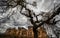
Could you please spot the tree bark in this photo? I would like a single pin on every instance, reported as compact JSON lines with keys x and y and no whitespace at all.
{"x":35,"y":33}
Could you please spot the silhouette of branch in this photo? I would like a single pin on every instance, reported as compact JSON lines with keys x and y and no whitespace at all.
{"x":29,"y":12}
{"x":54,"y":14}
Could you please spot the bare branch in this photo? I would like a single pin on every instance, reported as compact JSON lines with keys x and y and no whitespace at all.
{"x":54,"y":14}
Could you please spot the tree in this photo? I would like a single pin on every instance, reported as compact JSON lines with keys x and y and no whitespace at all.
{"x":34,"y":23}
{"x":31,"y":15}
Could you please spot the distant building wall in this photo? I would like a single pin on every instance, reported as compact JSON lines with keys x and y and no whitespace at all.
{"x":23,"y":33}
